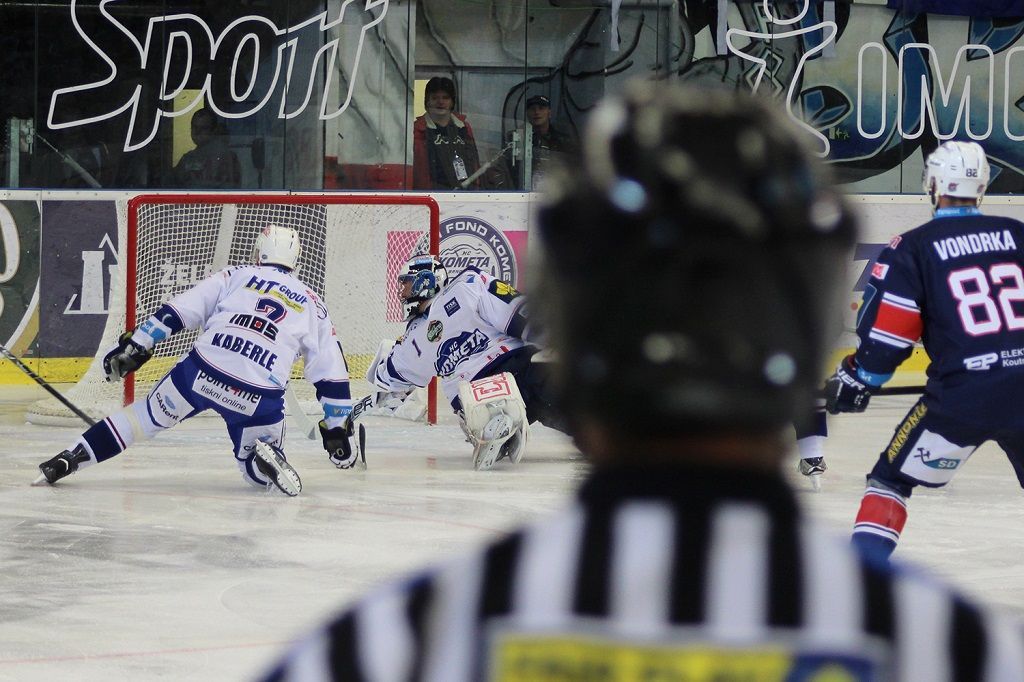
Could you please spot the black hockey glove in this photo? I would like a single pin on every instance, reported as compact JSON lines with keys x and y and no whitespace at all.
{"x":127,"y":357}
{"x":337,"y":444}
{"x":844,"y":392}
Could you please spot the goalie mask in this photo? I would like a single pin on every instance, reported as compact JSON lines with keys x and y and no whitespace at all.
{"x":692,"y":266}
{"x":956,"y":169}
{"x":277,"y":245}
{"x":426,"y":277}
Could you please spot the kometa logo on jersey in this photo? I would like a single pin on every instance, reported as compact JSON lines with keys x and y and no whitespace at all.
{"x":454,"y":351}
{"x":467,"y":241}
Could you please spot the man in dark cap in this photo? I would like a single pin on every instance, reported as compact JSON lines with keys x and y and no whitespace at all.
{"x":549,"y":142}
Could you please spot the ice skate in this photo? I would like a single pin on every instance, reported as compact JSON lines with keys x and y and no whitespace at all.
{"x":64,"y":464}
{"x":495,"y":434}
{"x":813,"y":468}
{"x":272,"y":464}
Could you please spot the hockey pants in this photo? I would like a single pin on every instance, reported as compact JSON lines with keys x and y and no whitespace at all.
{"x":183,"y":393}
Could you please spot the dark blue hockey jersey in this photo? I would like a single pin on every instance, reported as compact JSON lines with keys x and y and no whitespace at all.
{"x":957,"y":284}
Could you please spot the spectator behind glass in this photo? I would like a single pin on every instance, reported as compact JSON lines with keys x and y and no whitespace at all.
{"x":548,"y":142}
{"x":212,"y":164}
{"x":444,"y":148}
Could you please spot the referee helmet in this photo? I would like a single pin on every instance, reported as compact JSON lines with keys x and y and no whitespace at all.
{"x":716,"y":254}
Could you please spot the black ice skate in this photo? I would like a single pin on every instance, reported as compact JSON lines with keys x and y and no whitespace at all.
{"x":64,"y":464}
{"x":813,"y":468}
{"x":272,"y":464}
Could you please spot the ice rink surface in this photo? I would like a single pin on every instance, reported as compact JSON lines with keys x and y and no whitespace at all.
{"x":163,"y":564}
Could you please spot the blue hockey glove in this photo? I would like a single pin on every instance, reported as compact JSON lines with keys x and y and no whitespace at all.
{"x":844,"y":392}
{"x":125,"y":358}
{"x":337,"y":445}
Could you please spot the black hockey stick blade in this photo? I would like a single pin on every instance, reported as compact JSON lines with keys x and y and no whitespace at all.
{"x":362,"y":445}
{"x":42,"y":382}
{"x":900,"y":390}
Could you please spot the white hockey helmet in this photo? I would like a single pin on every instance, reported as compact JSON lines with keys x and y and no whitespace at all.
{"x":956,"y":169}
{"x":428,"y":277}
{"x":277,"y":245}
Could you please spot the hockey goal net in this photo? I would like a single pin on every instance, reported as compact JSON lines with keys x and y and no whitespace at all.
{"x":352,"y":249}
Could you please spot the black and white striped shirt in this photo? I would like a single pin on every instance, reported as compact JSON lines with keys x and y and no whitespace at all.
{"x":665,"y":574}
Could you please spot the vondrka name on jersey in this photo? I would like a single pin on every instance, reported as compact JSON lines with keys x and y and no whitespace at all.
{"x":236,"y":398}
{"x":247,"y":349}
{"x":454,"y":351}
{"x":967,"y":244}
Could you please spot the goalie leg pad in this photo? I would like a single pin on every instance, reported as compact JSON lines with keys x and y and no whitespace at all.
{"x":495,"y":419}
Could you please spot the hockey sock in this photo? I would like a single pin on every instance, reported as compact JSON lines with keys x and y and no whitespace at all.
{"x":108,"y":437}
{"x":810,"y":447}
{"x":881,"y":518}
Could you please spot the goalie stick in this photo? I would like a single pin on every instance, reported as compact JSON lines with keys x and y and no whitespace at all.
{"x":42,"y":382}
{"x":312,"y":429}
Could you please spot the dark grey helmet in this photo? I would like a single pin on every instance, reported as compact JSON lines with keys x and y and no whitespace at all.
{"x":692,"y":265}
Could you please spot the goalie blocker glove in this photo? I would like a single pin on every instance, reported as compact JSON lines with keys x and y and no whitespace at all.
{"x":127,"y":357}
{"x":337,"y":444}
{"x":845,"y":391}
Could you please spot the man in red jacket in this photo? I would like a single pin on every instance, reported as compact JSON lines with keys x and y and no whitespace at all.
{"x":444,"y":149}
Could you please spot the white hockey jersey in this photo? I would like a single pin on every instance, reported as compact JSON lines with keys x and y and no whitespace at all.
{"x":255,"y":321}
{"x":472,"y":322}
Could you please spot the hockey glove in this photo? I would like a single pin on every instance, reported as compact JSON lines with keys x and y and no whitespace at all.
{"x":127,"y":357}
{"x":337,"y":444}
{"x":844,"y":392}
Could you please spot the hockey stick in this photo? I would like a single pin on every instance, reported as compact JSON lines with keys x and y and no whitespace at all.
{"x":357,"y":411}
{"x":312,"y":430}
{"x":900,"y":390}
{"x":302,"y":420}
{"x":486,"y":167}
{"x":42,"y":382}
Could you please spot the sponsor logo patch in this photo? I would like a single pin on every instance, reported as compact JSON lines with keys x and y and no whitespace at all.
{"x":518,"y":657}
{"x":454,"y":351}
{"x":980,"y":363}
{"x":903,"y":432}
{"x":879,"y":270}
{"x":434,"y":330}
{"x":895,"y":241}
{"x":451,"y":307}
{"x":503,"y":290}
{"x":491,"y":387}
{"x":232,"y":397}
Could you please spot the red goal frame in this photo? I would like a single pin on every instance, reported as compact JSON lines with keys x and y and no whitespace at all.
{"x":132,"y":237}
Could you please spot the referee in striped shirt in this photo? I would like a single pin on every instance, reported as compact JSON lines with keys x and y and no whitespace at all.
{"x":691,"y":269}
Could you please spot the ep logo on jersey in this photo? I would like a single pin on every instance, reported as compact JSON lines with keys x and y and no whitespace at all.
{"x":467,"y":241}
{"x":980,"y":363}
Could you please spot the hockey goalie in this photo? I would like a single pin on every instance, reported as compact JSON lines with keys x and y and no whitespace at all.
{"x":474,"y":334}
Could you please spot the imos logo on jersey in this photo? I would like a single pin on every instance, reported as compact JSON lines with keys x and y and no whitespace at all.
{"x":467,"y":241}
{"x":251,"y":62}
